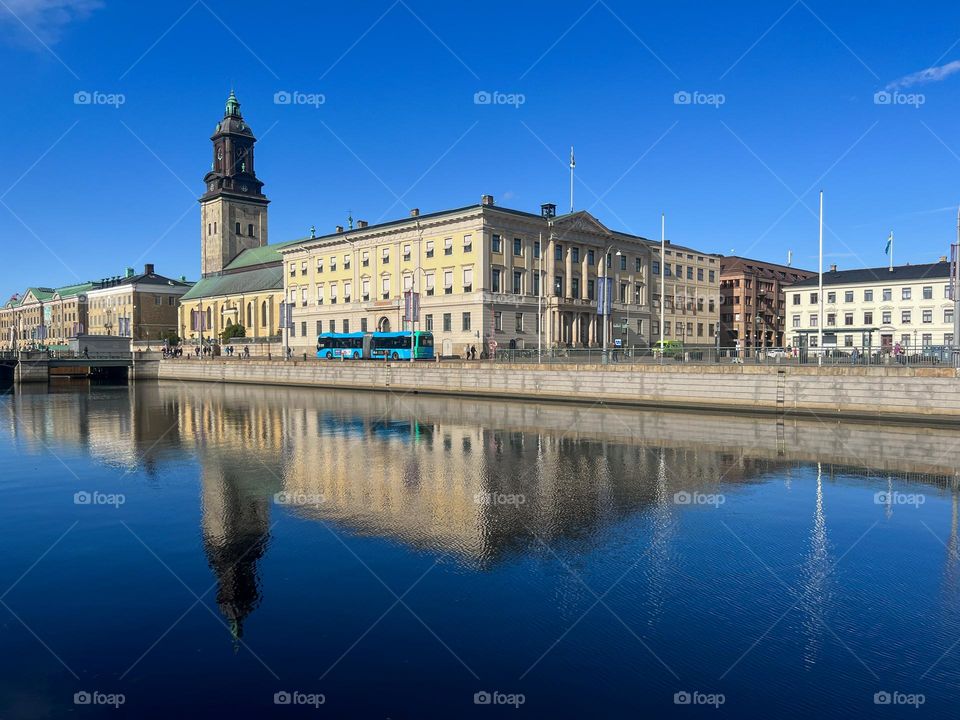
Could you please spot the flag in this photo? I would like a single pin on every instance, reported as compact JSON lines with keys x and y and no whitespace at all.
{"x":889,"y":243}
{"x":573,"y":163}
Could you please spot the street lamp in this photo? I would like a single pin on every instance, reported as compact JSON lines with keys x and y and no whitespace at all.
{"x":602,"y":295}
{"x":756,"y":338}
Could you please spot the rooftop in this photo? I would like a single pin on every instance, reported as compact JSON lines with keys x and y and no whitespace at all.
{"x":880,"y":276}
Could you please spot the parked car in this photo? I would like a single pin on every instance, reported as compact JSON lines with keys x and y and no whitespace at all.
{"x":777,"y":354}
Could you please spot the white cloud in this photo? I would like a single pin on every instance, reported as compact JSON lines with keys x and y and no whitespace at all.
{"x":930,"y":75}
{"x":46,"y":19}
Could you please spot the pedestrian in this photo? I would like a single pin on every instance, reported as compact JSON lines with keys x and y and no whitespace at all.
{"x":86,"y":351}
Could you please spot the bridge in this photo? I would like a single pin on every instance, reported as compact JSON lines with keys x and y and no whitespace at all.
{"x":39,"y":365}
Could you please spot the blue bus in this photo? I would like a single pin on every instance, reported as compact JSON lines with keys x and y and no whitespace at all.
{"x":340,"y":345}
{"x":375,"y":346}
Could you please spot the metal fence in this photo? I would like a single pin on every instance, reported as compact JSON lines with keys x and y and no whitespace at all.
{"x":935,"y":356}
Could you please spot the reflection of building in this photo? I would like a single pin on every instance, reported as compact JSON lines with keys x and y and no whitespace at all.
{"x":235,"y":533}
{"x":753,"y":290}
{"x":875,"y":307}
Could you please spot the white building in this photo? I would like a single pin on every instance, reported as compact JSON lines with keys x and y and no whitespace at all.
{"x":875,"y":307}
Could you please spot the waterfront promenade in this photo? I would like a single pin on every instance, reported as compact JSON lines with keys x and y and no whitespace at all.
{"x":887,"y":393}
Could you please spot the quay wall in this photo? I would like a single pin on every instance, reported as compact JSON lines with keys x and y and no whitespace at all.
{"x":888,"y":393}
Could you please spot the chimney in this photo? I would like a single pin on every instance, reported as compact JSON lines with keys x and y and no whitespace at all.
{"x":415,"y":212}
{"x":339,"y":228}
{"x":147,"y":269}
{"x":548,"y":210}
{"x":943,"y":258}
{"x":129,"y":272}
{"x":362,"y":223}
{"x":486,"y":200}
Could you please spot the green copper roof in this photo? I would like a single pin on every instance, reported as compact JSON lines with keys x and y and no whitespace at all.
{"x":233,"y":105}
{"x":74,"y":290}
{"x":251,"y":281}
{"x":259,"y":256}
{"x":40,"y":293}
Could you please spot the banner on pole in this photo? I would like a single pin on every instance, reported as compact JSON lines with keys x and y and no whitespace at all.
{"x":604,"y":295}
{"x":411,"y":306}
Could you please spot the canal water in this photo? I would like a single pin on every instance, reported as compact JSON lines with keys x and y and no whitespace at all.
{"x":231,"y":551}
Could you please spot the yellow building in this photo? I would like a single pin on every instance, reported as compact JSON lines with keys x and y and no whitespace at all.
{"x":248,"y":292}
{"x":487,"y":277}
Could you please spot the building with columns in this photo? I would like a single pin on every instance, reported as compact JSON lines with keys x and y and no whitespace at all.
{"x":487,"y":277}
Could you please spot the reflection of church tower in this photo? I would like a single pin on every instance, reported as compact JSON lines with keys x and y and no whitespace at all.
{"x":235,"y":534}
{"x":233,"y":210}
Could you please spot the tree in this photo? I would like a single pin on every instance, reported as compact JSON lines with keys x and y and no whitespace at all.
{"x":233,"y":331}
{"x":171,"y":337}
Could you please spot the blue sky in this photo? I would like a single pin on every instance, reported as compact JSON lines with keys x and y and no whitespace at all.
{"x":782,"y":104}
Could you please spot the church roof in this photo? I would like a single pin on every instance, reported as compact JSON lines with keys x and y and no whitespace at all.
{"x":263,"y":255}
{"x":248,"y":281}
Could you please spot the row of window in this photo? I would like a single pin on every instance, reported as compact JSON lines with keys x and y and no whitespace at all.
{"x":906,"y":293}
{"x":906,"y":340}
{"x":886,"y":318}
{"x":678,"y":271}
{"x":212,"y":229}
{"x":684,"y":330}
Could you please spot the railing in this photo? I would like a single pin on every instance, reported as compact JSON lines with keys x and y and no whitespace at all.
{"x":70,"y":355}
{"x":936,"y":356}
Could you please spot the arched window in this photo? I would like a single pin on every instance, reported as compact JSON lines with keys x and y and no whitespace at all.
{"x":249,"y":314}
{"x":209,"y":318}
{"x":238,"y":228}
{"x":250,"y":229}
{"x":263,"y":316}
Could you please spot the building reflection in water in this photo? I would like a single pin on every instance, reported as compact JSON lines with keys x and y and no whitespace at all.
{"x":472,"y":479}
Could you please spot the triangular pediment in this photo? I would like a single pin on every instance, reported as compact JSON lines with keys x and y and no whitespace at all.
{"x":581,"y":221}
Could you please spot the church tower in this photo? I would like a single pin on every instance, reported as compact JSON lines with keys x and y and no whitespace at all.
{"x":233,"y":210}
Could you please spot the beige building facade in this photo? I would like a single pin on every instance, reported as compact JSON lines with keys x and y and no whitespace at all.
{"x":488,"y":277}
{"x":909,"y":306}
{"x":141,"y":307}
{"x":692,"y":297}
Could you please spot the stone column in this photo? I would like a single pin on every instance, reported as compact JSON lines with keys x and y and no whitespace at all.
{"x":568,"y":272}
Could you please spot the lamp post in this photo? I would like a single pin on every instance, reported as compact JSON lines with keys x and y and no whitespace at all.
{"x":756,"y":338}
{"x":603,"y":305}
{"x":414,"y":310}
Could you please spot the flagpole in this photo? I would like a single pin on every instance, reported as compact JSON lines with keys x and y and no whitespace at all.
{"x":663,"y":279}
{"x":573,"y":164}
{"x":540,"y":303}
{"x":820,"y":293}
{"x":891,"y":251}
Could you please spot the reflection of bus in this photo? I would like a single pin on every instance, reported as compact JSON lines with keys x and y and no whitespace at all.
{"x":395,"y":345}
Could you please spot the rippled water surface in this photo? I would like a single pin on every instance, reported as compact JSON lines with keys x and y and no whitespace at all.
{"x":195,"y":550}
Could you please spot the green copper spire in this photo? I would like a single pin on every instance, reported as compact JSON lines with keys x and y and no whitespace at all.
{"x":233,"y":105}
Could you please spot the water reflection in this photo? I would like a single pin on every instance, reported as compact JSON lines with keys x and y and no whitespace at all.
{"x":478,"y":481}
